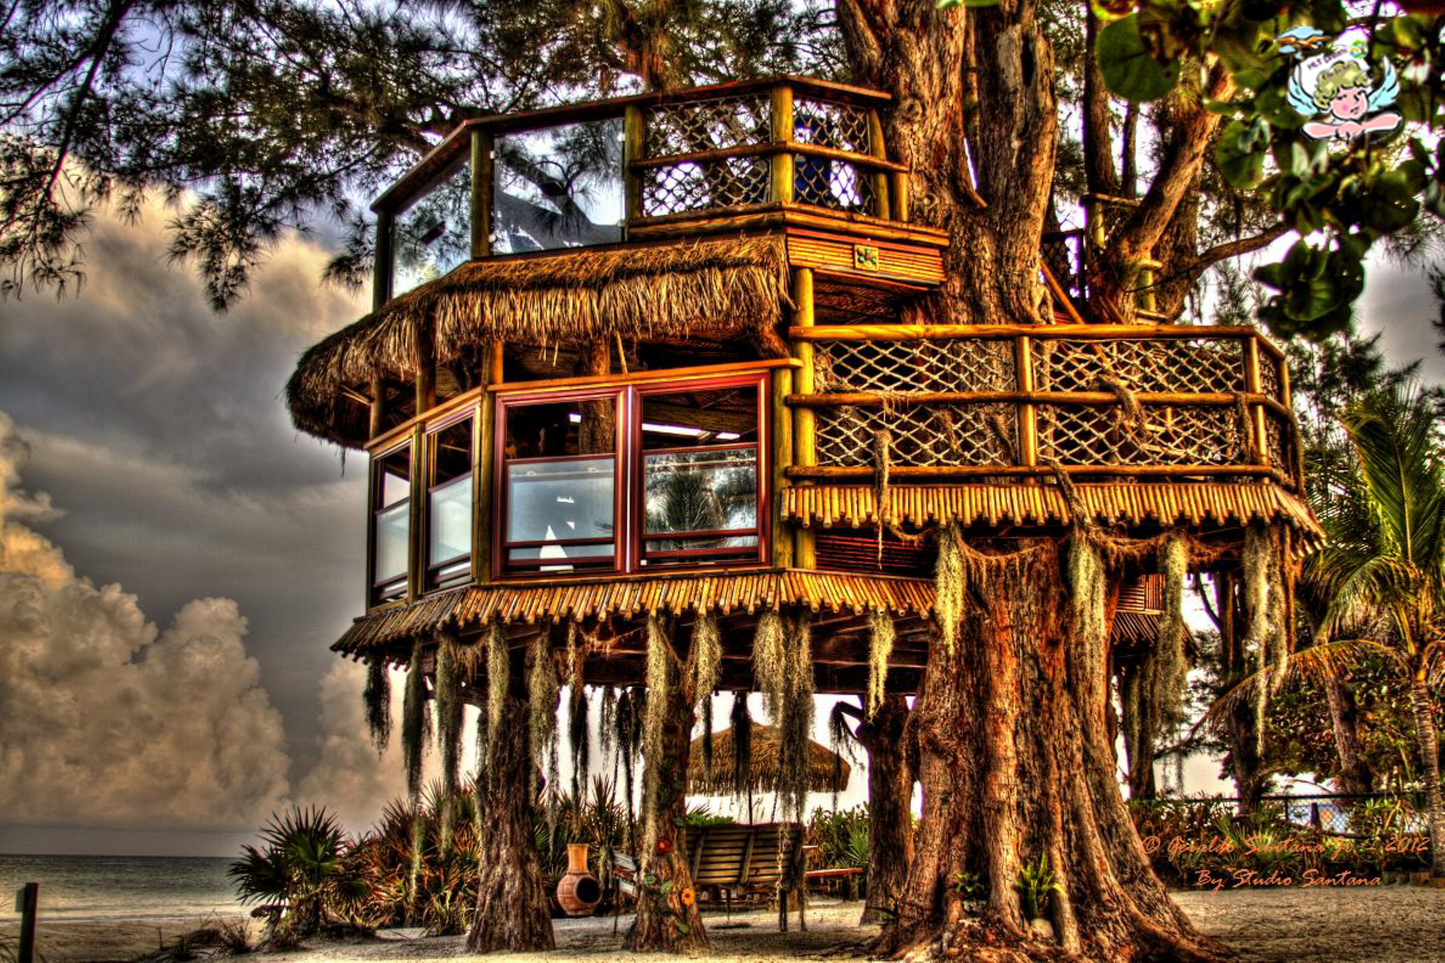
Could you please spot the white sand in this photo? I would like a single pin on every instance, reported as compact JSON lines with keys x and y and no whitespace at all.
{"x":1366,"y":926}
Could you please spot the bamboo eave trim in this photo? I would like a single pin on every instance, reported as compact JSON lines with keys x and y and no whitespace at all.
{"x":725,"y":593}
{"x":1055,"y":332}
{"x":855,"y":506}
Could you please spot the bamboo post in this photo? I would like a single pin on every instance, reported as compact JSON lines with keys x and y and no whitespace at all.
{"x":634,"y":148}
{"x":877,"y":147}
{"x":1028,"y":434}
{"x":484,"y":449}
{"x":782,"y":453}
{"x":377,"y":423}
{"x":1256,"y":425}
{"x":426,"y":370}
{"x":481,"y":199}
{"x":416,"y":520}
{"x":781,"y":190}
{"x":805,"y":452}
{"x":381,"y":269}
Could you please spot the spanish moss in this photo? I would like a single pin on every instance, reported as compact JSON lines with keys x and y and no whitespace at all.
{"x":880,"y":647}
{"x":499,"y":668}
{"x":1172,"y":669}
{"x":414,"y":722}
{"x":543,"y":692}
{"x":654,"y":720}
{"x":706,"y":663}
{"x":797,"y":717}
{"x":951,"y":585}
{"x":377,"y":698}
{"x":741,"y":722}
{"x":770,"y":662}
{"x":578,"y":736}
{"x":1256,"y":564}
{"x":449,"y":733}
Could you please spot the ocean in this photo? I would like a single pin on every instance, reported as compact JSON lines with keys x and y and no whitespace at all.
{"x":96,"y":889}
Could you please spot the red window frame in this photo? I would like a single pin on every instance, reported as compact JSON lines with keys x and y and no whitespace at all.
{"x":628,"y":490}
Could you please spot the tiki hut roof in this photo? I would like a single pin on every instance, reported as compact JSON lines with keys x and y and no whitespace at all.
{"x":765,"y":770}
{"x":719,"y":287}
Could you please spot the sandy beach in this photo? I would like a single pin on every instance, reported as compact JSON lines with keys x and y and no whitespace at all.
{"x":1405,"y":924}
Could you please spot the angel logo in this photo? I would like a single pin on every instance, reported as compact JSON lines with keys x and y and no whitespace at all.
{"x":1336,"y":88}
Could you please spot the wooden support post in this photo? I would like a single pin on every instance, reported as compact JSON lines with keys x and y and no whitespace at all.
{"x":381,"y":268}
{"x":27,"y":901}
{"x":782,"y":453}
{"x":1027,"y":414}
{"x":426,"y":369}
{"x":416,"y":521}
{"x":805,"y":452}
{"x":878,"y":148}
{"x":377,"y":424}
{"x":481,"y":200}
{"x":634,"y":148}
{"x":782,"y":134}
{"x":484,"y":449}
{"x":1256,"y":411}
{"x":899,"y":180}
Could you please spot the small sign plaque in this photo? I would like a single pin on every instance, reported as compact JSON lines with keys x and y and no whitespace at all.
{"x":865,"y":257}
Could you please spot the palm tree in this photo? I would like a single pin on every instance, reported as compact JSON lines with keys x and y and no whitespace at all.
{"x":1385,"y":563}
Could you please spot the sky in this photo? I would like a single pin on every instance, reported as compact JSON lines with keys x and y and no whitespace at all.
{"x":176,"y":559}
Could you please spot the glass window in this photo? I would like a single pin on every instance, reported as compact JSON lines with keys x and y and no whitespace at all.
{"x":391,"y":513}
{"x":558,"y":187}
{"x":700,"y":476}
{"x":449,"y":511}
{"x":434,"y":234}
{"x":560,"y":483}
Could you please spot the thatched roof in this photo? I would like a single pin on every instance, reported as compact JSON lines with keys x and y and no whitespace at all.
{"x":765,"y":769}
{"x":720,"y":287}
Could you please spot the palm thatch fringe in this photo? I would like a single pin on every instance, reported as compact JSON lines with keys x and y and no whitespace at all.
{"x":722,"y":287}
{"x":763,"y":762}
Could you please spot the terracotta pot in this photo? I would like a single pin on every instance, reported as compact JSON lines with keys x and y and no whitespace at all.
{"x":578,"y":891}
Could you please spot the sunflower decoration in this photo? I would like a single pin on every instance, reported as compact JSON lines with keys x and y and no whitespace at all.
{"x":688,"y":896}
{"x":664,"y":845}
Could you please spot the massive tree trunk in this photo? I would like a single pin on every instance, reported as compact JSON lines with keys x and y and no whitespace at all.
{"x":890,"y":790}
{"x":1429,"y":746}
{"x":667,"y":912}
{"x":1016,"y":766}
{"x":512,"y":910}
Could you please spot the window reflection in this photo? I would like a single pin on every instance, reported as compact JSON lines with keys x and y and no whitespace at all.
{"x":434,"y":235}
{"x":449,"y":515}
{"x":558,"y":187}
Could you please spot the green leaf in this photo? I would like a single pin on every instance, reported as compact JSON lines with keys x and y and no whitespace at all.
{"x":1129,"y":69}
{"x":1237,"y":157}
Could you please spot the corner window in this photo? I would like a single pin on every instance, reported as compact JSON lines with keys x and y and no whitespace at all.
{"x":391,"y":523}
{"x":626,"y":479}
{"x":560,"y":484}
{"x":449,"y":504}
{"x":699,"y":475}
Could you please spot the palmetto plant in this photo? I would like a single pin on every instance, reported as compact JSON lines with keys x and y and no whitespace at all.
{"x":1384,"y":564}
{"x":300,"y":874}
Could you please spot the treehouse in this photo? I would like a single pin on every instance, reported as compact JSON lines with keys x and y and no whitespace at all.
{"x":652,"y":360}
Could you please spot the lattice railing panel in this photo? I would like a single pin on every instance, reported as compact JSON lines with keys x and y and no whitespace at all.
{"x":831,"y":124}
{"x":720,"y":122}
{"x":692,"y":187}
{"x":1269,"y":377}
{"x":962,"y":364}
{"x":1277,"y":443}
{"x":931,"y":435}
{"x":1168,"y":435}
{"x":1159,"y":365}
{"x":834,"y":184}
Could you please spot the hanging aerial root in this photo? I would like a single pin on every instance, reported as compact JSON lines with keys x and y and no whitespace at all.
{"x":415,"y":721}
{"x":449,"y":731}
{"x":1173,"y":667}
{"x":578,"y":737}
{"x":770,"y":661}
{"x":950,"y":585}
{"x":543,"y":692}
{"x":499,"y":667}
{"x":880,"y":647}
{"x":741,"y":722}
{"x":659,"y":672}
{"x":377,"y":700}
{"x":705,"y":661}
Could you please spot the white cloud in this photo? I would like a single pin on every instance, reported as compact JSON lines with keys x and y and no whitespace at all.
{"x":107,"y":721}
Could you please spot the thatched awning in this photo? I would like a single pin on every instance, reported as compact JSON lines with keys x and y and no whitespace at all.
{"x":718,"y":287}
{"x":765,"y":767}
{"x":1163,"y":503}
{"x":724,"y":593}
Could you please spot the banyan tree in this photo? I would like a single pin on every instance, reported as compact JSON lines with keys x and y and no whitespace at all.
{"x":763,"y":388}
